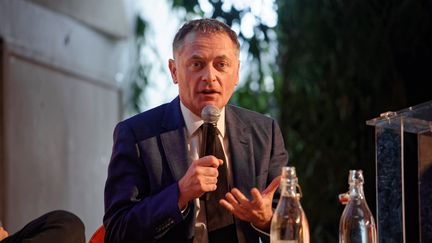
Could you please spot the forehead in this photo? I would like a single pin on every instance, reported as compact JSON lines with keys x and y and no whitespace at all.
{"x":197,"y":44}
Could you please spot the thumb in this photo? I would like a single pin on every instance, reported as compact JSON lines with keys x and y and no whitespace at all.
{"x":271,"y":189}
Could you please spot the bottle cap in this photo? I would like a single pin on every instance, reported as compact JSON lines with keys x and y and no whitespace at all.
{"x":289,"y":177}
{"x":355,"y":177}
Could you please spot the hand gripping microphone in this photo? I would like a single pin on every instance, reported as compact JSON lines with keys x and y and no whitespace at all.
{"x":210,"y":115}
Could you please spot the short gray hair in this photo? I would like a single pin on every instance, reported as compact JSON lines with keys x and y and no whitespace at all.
{"x":210,"y":26}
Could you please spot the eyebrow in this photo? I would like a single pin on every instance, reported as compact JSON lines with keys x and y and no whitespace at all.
{"x":201,"y":57}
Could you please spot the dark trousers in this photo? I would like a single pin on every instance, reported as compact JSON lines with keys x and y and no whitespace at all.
{"x":56,"y":226}
{"x":224,"y":235}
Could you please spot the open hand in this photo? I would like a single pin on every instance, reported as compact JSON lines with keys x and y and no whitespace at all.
{"x":257,"y":211}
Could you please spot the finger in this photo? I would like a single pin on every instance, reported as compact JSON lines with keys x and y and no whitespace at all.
{"x":231,"y":199}
{"x":208,"y":161}
{"x":210,"y":180}
{"x":240,"y":197}
{"x":271,"y":189}
{"x":257,"y":198}
{"x":210,"y":188}
{"x":236,"y":210}
{"x":208,"y":171}
{"x":226,"y":205}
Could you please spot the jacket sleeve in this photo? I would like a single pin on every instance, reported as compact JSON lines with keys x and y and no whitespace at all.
{"x":132,"y":214}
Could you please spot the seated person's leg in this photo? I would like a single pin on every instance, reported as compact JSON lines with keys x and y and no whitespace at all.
{"x":56,"y":226}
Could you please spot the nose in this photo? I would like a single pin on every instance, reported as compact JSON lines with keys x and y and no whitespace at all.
{"x":209,"y":74}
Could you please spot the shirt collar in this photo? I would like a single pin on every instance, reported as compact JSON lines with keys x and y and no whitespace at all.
{"x":193,"y":122}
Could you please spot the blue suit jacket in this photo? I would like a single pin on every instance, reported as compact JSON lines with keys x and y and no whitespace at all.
{"x":149,"y":157}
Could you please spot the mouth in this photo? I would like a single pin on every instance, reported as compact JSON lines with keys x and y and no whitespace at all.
{"x":209,"y":92}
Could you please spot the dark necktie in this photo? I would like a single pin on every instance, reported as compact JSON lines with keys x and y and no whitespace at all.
{"x":217,"y":216}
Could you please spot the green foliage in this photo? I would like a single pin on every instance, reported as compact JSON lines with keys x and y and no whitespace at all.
{"x":339,"y":65}
{"x":141,"y":70}
{"x":191,"y":6}
{"x":147,"y":63}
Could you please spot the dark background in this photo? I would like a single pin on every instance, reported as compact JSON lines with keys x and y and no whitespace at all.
{"x":338,"y":64}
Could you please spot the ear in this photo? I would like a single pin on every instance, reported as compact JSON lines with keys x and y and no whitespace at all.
{"x":173,"y":70}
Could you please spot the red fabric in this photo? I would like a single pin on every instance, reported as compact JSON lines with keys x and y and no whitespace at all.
{"x":98,"y":236}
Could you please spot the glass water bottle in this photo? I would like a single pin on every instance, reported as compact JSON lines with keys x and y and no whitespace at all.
{"x":289,"y":223}
{"x":357,"y":224}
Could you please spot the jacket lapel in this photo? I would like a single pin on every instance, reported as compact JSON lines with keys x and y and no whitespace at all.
{"x":240,"y":142}
{"x":173,"y":140}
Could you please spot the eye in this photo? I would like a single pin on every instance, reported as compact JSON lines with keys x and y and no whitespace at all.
{"x":222,"y":65}
{"x":196,"y":65}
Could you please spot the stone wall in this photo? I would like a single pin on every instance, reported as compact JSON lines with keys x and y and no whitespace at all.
{"x":59,"y":103}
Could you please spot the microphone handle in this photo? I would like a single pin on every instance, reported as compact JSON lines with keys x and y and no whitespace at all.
{"x":208,"y":142}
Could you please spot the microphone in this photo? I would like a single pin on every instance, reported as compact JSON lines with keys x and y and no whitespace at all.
{"x":210,"y":115}
{"x":217,"y":217}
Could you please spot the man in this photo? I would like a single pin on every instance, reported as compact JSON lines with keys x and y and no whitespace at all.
{"x":157,"y":181}
{"x":57,"y":226}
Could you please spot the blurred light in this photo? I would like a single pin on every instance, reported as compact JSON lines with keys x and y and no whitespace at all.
{"x":226,"y":6}
{"x":236,"y":27}
{"x":269,"y":83}
{"x":254,"y":86}
{"x":247,"y":25}
{"x":269,"y":15}
{"x":240,"y":4}
{"x":206,"y":6}
{"x":119,"y":77}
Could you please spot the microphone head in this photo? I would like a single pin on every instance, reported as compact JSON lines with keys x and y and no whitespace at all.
{"x":210,"y":114}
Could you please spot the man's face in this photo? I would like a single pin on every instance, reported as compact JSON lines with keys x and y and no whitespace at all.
{"x":206,"y":68}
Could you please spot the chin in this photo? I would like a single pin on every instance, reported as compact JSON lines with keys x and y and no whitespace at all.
{"x":211,"y":103}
